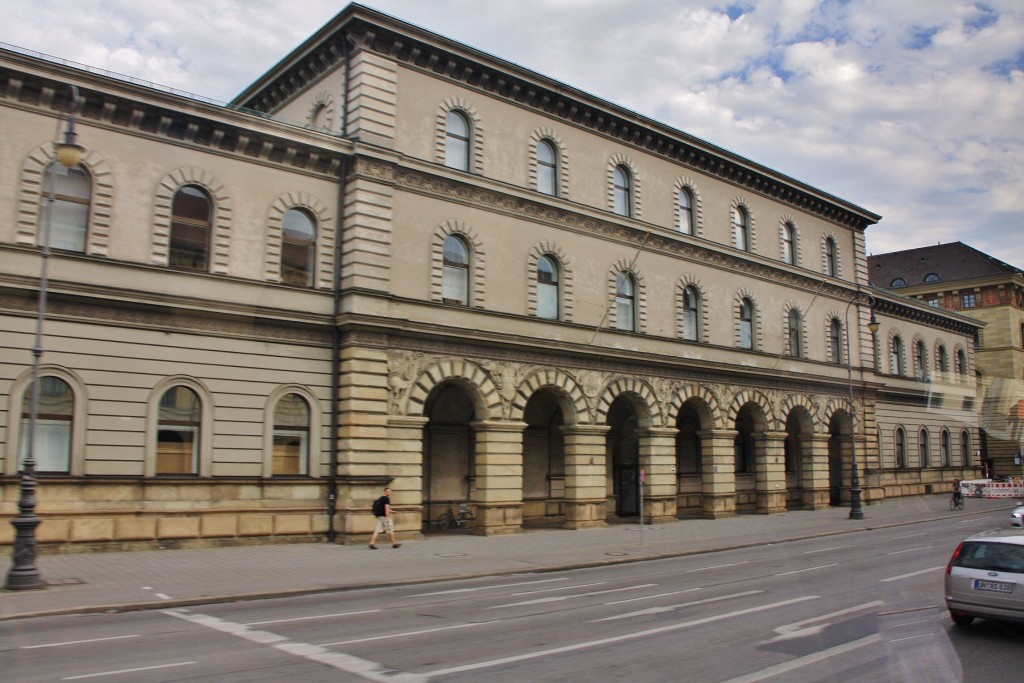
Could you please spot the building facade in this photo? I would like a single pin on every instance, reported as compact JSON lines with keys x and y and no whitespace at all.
{"x":958,"y":277}
{"x":395,"y":260}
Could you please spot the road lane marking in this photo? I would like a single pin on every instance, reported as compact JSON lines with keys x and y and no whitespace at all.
{"x":74,"y":642}
{"x":808,"y":569}
{"x":225,"y":626}
{"x":651,"y":597}
{"x":717,"y":566}
{"x":316,"y":616}
{"x":912,"y":574}
{"x":560,"y":588}
{"x":669,"y":608}
{"x":797,"y":630}
{"x":920,"y":635}
{"x":614,"y":639}
{"x":484,"y":588}
{"x":559,"y":598}
{"x":126,"y":671}
{"x":408,"y":633}
{"x":896,"y":538}
{"x":823,"y":550}
{"x":910,"y":550}
{"x":794,"y":664}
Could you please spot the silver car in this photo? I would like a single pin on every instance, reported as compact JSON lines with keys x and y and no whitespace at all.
{"x":1017,"y":516}
{"x":985,"y":577}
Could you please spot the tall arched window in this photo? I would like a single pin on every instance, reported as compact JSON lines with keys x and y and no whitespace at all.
{"x":795,"y":344}
{"x":622,"y":189}
{"x":191,"y":217}
{"x":686,"y":222}
{"x":924,"y":449}
{"x":789,"y":244}
{"x":177,"y":439}
{"x":69,"y":210}
{"x":965,"y":448}
{"x":625,"y":300}
{"x":942,"y":360}
{"x":291,"y":436}
{"x":831,"y":264}
{"x":944,"y":450}
{"x":920,"y":360}
{"x":896,"y":357}
{"x":746,"y":324}
{"x":691,"y":314}
{"x":547,"y":167}
{"x":456,"y":148}
{"x":298,"y":247}
{"x":901,"y":448}
{"x":741,"y":228}
{"x":835,"y":340}
{"x":51,"y":442}
{"x":455,"y":284}
{"x":547,"y":288}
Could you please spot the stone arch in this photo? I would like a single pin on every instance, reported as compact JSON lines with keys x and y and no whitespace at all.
{"x":220,"y":240}
{"x":323,"y":265}
{"x":833,"y":406}
{"x":482,"y":389}
{"x":789,"y":403}
{"x":321,"y":112}
{"x":639,"y":297}
{"x":476,"y":152}
{"x":566,"y":283}
{"x":33,"y":187}
{"x":704,"y":399}
{"x":745,"y":396}
{"x":623,"y":160}
{"x":642,"y":397}
{"x":685,"y":182}
{"x":477,"y":261}
{"x":575,"y":408}
{"x":734,"y":205}
{"x":545,"y":133}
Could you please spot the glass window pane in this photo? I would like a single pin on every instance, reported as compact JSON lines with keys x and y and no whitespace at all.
{"x":622,"y":192}
{"x":547,"y":288}
{"x":298,"y":245}
{"x":68,"y":223}
{"x":291,"y":436}
{"x":457,"y":141}
{"x":177,"y":448}
{"x":190,"y":229}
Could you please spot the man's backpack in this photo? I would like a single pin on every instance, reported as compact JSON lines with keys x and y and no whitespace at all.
{"x":378,"y":507}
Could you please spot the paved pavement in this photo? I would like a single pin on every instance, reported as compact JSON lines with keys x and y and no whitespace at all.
{"x":115,"y":581}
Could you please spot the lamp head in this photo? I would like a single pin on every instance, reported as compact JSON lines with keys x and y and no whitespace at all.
{"x":69,"y":152}
{"x":873,"y":324}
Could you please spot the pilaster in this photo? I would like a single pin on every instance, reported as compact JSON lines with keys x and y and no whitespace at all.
{"x":658,"y":459}
{"x":814,"y":466}
{"x":586,"y":487}
{"x":499,"y":477}
{"x":770,"y":472}
{"x":719,"y":472}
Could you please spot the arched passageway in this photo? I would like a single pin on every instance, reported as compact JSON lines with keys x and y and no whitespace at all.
{"x":543,"y":460}
{"x":448,"y":450}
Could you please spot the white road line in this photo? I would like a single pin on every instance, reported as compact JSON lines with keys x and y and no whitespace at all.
{"x":910,"y":550}
{"x":317,"y":616}
{"x":615,"y":639}
{"x":651,"y":597}
{"x":560,"y":588}
{"x":823,"y":550}
{"x":920,"y":635}
{"x":896,"y":538}
{"x":408,"y":633}
{"x":794,"y":664}
{"x":670,"y":608}
{"x":74,"y":642}
{"x":559,"y":598}
{"x":163,"y":596}
{"x":484,"y":588}
{"x":912,"y":574}
{"x":126,"y":671}
{"x":797,"y":630}
{"x":808,"y":569}
{"x":717,"y":566}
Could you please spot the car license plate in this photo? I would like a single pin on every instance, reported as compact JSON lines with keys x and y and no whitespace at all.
{"x":998,"y":586}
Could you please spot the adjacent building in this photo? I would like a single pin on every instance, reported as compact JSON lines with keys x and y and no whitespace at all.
{"x":396,"y":260}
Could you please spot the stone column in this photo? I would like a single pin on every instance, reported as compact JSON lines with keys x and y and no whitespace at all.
{"x":586,"y":475}
{"x":658,"y":459}
{"x":498,"y":498}
{"x":770,"y":472}
{"x":405,"y":448}
{"x":814,"y":461}
{"x":719,"y":472}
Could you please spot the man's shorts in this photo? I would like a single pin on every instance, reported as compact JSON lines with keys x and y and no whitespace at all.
{"x":384,"y":525}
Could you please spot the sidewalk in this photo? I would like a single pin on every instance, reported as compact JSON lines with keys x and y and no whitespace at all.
{"x":78,"y":583}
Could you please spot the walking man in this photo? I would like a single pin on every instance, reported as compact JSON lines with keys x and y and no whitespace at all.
{"x":382,"y":511}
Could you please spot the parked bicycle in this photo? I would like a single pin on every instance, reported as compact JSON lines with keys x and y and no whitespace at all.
{"x":457,"y":515}
{"x":956,"y":501}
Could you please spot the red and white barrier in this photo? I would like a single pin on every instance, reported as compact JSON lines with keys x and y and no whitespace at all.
{"x":986,"y":488}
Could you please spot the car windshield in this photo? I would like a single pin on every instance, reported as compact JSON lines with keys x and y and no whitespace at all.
{"x":1002,"y":557}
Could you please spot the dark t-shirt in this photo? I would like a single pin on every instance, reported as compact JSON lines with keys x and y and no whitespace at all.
{"x":380,"y":506}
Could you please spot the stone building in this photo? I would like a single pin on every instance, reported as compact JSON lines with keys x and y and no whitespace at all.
{"x":395,"y":260}
{"x":958,"y":277}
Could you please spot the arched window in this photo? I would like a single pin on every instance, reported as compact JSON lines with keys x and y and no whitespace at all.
{"x":622,"y":188}
{"x":50,"y":445}
{"x":191,"y":217}
{"x":686,"y":222}
{"x":932,"y":277}
{"x":795,"y":344}
{"x":944,"y":452}
{"x":291,"y":436}
{"x":942,"y":359}
{"x":177,"y":440}
{"x":741,"y":228}
{"x":831,"y":264}
{"x":965,"y":448}
{"x":923,"y":449}
{"x":901,"y":448}
{"x":920,"y":360}
{"x":548,"y":297}
{"x":456,"y":148}
{"x":961,"y":364}
{"x":691,"y":314}
{"x":835,"y":340}
{"x":746,"y":324}
{"x":298,"y":246}
{"x":896,"y":357}
{"x":455,"y":284}
{"x":789,"y":244}
{"x":625,"y":302}
{"x":897,"y":282}
{"x":547,"y":167}
{"x":69,"y":210}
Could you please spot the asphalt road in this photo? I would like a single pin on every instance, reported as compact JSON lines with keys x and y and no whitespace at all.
{"x":853,"y":608}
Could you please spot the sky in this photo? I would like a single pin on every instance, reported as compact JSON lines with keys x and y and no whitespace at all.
{"x":911,"y":109}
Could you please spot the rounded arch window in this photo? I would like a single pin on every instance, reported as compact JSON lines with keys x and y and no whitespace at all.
{"x":298,"y":246}
{"x":547,"y":167}
{"x":291,"y":436}
{"x":622,"y":187}
{"x":456,"y":151}
{"x":455,"y":285}
{"x":625,"y":302}
{"x":177,"y":441}
{"x":547,"y":287}
{"x":69,"y":208}
{"x":191,"y":220}
{"x":50,"y":443}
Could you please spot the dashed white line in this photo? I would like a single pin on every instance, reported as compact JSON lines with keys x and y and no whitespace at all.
{"x":792,"y":665}
{"x":560,"y":598}
{"x":74,"y":642}
{"x":717,"y":566}
{"x":670,"y":608}
{"x":125,"y":671}
{"x":807,"y":569}
{"x":910,"y":550}
{"x":316,"y":616}
{"x":407,"y":633}
{"x":912,"y":574}
{"x":484,"y":588}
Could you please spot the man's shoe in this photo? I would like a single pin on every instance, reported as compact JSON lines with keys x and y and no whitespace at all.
{"x":397,"y":545}
{"x":373,"y":547}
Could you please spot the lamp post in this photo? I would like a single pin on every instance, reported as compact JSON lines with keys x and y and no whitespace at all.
{"x":856,"y":511}
{"x":23,"y":574}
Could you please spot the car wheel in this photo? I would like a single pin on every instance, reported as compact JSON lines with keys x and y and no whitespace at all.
{"x":962,"y":619}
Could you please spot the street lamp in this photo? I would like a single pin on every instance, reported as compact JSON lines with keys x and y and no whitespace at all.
{"x":856,"y":512}
{"x":23,"y":574}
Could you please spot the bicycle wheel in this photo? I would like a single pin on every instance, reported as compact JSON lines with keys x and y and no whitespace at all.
{"x":952,"y":503}
{"x":960,"y":503}
{"x":445,"y":521}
